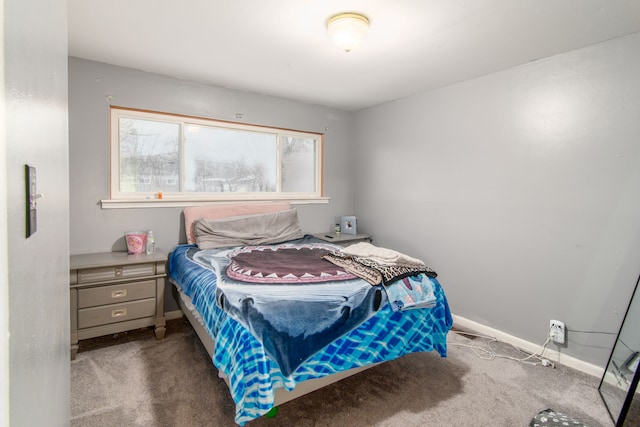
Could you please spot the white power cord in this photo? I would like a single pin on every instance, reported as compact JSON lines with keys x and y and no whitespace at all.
{"x":489,"y":353}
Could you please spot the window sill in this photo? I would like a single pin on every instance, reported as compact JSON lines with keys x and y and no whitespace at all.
{"x":180,"y":203}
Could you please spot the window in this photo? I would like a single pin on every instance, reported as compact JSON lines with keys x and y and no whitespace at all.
{"x":158,"y":157}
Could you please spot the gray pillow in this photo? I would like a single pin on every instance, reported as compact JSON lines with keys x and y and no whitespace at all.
{"x":260,"y":229}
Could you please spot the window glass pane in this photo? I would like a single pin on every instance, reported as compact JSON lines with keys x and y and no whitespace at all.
{"x":205,"y":159}
{"x":228,"y":160}
{"x":298,"y":164}
{"x":149,"y":159}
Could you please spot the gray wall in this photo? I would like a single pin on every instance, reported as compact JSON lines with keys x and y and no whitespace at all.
{"x":35,"y":127}
{"x":520,"y":188}
{"x":94,"y":86}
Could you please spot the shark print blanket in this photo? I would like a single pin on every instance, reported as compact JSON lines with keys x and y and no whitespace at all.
{"x":291,"y":299}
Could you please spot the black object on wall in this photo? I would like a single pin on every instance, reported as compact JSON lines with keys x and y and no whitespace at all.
{"x":31,"y":197}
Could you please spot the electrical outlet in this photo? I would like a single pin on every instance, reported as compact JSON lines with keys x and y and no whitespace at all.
{"x":556,"y":331}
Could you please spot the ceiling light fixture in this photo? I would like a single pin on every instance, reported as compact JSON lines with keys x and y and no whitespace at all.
{"x":347,"y":30}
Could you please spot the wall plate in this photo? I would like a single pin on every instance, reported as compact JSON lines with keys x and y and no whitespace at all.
{"x":31,"y":197}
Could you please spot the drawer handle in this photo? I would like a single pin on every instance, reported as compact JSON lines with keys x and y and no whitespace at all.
{"x":119,"y":293}
{"x":118,"y":271}
{"x":119,"y":313}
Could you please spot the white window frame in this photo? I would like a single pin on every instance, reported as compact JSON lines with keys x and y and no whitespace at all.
{"x":183,"y":198}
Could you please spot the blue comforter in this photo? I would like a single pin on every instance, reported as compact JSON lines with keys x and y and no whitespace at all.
{"x":274,"y":330}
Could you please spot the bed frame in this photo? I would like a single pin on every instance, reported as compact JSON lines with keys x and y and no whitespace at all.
{"x":281,"y":395}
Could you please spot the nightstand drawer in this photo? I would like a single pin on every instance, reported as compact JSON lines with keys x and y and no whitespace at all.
{"x":100,"y":274}
{"x":113,"y":313}
{"x":114,"y":294}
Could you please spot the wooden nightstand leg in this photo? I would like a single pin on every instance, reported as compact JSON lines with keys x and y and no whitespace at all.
{"x":160,"y":330}
{"x":74,"y":350}
{"x":160,"y":321}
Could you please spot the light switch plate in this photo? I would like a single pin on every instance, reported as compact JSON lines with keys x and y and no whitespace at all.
{"x":30,"y":177}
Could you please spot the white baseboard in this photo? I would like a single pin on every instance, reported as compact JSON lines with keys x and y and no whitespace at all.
{"x":171,"y":315}
{"x":553,"y":355}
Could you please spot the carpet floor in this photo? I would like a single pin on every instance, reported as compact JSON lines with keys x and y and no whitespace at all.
{"x":131,"y":379}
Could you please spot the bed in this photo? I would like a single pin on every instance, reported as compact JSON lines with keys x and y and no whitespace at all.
{"x":282,"y":313}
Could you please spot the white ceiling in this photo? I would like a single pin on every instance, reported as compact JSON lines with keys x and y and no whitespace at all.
{"x":280,"y":47}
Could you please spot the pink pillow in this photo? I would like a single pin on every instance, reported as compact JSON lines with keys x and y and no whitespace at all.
{"x":217,"y":211}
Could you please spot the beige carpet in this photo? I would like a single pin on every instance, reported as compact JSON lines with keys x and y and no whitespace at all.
{"x":134,"y":380}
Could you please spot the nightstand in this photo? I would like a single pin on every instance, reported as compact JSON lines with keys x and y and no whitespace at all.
{"x":114,"y":292}
{"x":343,"y":239}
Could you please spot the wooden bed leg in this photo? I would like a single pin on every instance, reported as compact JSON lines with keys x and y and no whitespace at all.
{"x":272,"y":412}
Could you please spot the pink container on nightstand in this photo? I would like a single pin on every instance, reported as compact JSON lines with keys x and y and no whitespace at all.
{"x":136,"y":241}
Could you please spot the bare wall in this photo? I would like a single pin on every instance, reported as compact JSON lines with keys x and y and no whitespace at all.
{"x":34,"y":127}
{"x":94,"y":86}
{"x":520,"y":188}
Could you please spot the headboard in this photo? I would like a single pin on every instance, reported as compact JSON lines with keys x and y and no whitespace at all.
{"x":193,"y":213}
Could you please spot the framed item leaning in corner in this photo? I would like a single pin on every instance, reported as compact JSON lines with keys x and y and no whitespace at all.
{"x":348,"y":225}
